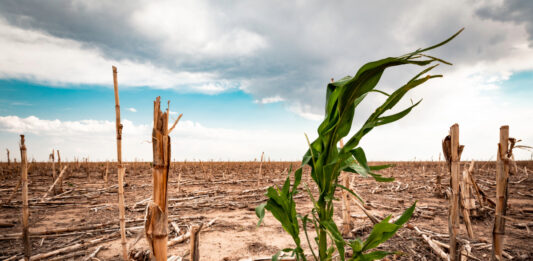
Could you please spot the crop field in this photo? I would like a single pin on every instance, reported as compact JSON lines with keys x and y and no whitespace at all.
{"x":333,"y":205}
{"x":223,"y":195}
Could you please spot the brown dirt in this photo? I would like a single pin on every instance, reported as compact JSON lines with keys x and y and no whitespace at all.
{"x":229,"y":191}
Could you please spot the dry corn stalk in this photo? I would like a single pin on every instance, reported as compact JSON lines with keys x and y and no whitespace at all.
{"x":260,"y":168}
{"x":55,"y":184}
{"x":14,"y":192}
{"x":122,"y":214}
{"x":452,"y":152}
{"x":25,"y":208}
{"x":466,"y":202}
{"x":346,"y":218}
{"x":438,"y":183}
{"x":156,"y":224}
{"x":195,"y":242}
{"x":60,"y":185}
{"x":121,"y":170}
{"x":106,"y":173}
{"x":470,"y":199}
{"x":54,"y":176}
{"x":502,"y":178}
{"x":179,"y":180}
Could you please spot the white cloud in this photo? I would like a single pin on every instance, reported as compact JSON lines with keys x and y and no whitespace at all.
{"x":38,"y":56}
{"x":132,"y":109}
{"x":275,"y":55}
{"x":304,"y":110}
{"x":34,"y":125}
{"x":193,"y":28}
{"x":190,"y":140}
{"x":268,"y":100}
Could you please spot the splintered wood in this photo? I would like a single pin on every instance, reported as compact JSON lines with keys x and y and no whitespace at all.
{"x":452,"y":152}
{"x":195,"y":242}
{"x":156,"y":225}
{"x":502,"y":177}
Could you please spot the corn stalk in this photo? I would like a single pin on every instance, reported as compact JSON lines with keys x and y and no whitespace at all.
{"x":327,"y":161}
{"x":505,"y":152}
{"x":25,"y":208}
{"x":120,"y":171}
{"x":156,"y":223}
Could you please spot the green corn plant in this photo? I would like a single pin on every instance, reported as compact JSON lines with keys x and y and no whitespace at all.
{"x":327,"y":161}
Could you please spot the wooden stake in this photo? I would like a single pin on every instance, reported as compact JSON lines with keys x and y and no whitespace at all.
{"x":195,"y":242}
{"x":121,"y":170}
{"x":156,"y":224}
{"x":8,"y":158}
{"x":502,"y":176}
{"x":25,"y":209}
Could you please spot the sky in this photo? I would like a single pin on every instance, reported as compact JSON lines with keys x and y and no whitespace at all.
{"x":250,"y":76}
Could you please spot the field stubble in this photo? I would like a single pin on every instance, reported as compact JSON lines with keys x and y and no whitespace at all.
{"x":226,"y":193}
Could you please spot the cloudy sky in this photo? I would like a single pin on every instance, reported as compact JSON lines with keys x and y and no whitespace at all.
{"x":250,"y":76}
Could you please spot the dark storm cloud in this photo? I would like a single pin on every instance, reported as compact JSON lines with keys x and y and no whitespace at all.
{"x":306,"y":42}
{"x":518,"y":11}
{"x":104,"y":25}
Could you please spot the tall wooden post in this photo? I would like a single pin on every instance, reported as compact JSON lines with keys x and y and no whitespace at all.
{"x":121,"y":170}
{"x":502,"y":178}
{"x":25,"y":209}
{"x":8,"y":158}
